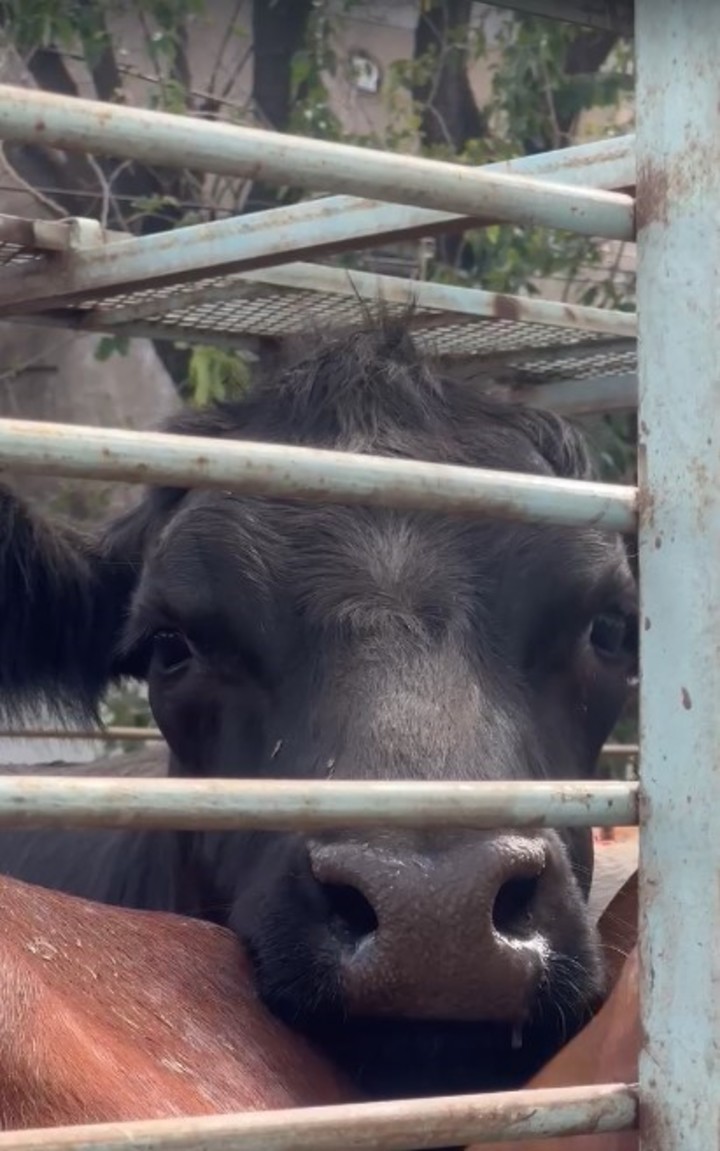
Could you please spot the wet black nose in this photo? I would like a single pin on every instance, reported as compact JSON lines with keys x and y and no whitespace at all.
{"x":456,"y":934}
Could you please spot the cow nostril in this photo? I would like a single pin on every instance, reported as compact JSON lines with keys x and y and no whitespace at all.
{"x":350,"y":916}
{"x":512,"y":911}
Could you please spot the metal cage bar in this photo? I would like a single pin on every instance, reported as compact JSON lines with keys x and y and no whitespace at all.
{"x":406,"y":1125}
{"x":148,"y":734}
{"x":164,"y":139}
{"x":193,"y":804}
{"x":310,"y":474}
{"x":276,"y":235}
{"x":678,"y":119}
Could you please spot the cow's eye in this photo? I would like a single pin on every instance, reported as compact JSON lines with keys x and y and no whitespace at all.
{"x":171,"y":650}
{"x":610,"y":635}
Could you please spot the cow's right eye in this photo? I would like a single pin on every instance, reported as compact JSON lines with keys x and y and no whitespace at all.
{"x":171,"y":650}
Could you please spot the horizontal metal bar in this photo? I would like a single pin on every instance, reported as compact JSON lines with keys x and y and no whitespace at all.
{"x":607,"y":15}
{"x":403,"y":1125}
{"x":195,"y":252}
{"x":164,"y":139}
{"x":103,"y":734}
{"x":275,"y":236}
{"x":443,"y":298}
{"x":309,"y":474}
{"x":141,"y":734}
{"x":37,"y":235}
{"x":192,"y":804}
{"x":608,"y":393}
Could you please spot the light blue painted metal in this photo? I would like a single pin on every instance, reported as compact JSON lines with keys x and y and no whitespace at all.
{"x":611,"y":393}
{"x":337,"y":222}
{"x":346,"y":283}
{"x":163,"y":139}
{"x":192,"y":804}
{"x":403,"y":1125}
{"x":608,"y":164}
{"x":678,"y":115}
{"x":309,"y":474}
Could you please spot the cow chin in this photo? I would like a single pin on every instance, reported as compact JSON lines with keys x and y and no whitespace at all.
{"x":387,"y":1057}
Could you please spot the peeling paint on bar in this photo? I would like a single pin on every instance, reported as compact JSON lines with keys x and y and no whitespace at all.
{"x":190,"y":805}
{"x":678,"y":201}
{"x":163,"y":139}
{"x":309,"y":474}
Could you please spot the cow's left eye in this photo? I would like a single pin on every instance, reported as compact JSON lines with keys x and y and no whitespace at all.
{"x":171,"y":651}
{"x":610,"y":634}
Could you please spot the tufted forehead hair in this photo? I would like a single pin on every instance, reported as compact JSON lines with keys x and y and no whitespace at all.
{"x":371,"y":390}
{"x":367,"y":391}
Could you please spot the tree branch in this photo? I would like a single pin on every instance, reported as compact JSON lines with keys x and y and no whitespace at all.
{"x":450,"y":116}
{"x":278,"y":32}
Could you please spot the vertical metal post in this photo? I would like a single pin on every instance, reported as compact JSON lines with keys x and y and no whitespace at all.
{"x":678,"y":220}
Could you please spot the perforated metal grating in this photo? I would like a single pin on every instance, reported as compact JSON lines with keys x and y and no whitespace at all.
{"x":509,"y":350}
{"x":15,"y":254}
{"x":293,"y":300}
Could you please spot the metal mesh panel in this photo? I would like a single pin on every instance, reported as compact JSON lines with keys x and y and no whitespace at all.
{"x":506,"y":349}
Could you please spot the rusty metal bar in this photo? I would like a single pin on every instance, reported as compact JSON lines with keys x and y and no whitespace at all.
{"x":164,"y":139}
{"x":340,"y":223}
{"x":405,"y":1125}
{"x":309,"y":474}
{"x":215,"y":804}
{"x":678,"y":114}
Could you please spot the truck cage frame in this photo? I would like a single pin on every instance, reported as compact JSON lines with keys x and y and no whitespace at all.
{"x":238,"y":279}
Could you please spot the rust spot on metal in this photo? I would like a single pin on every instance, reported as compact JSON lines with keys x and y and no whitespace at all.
{"x":506,"y":308}
{"x":646,"y":507}
{"x":653,"y":188}
{"x":686,"y":700}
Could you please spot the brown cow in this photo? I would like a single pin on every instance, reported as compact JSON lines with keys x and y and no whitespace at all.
{"x":606,"y":1051}
{"x":109,"y":1014}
